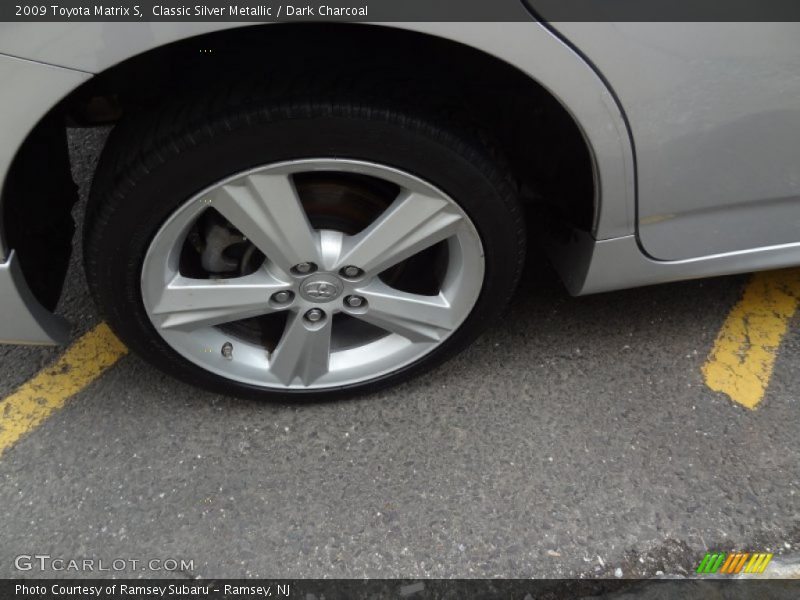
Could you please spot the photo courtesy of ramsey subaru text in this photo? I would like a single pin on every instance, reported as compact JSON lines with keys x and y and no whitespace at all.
{"x":312,"y":210}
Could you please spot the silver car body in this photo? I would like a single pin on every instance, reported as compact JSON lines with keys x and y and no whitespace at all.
{"x":693,"y":128}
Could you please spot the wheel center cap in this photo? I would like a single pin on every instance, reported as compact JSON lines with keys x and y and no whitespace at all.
{"x":321,"y":287}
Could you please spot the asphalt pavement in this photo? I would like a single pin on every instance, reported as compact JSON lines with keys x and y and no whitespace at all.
{"x":576,"y":438}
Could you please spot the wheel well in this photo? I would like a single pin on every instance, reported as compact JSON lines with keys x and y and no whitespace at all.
{"x":38,"y":196}
{"x":542,"y":143}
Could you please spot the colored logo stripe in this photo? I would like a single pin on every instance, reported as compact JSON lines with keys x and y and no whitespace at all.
{"x":711,"y":562}
{"x":758,"y":563}
{"x":733,"y":563}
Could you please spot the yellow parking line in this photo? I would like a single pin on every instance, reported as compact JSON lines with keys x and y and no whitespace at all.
{"x":35,"y":400}
{"x":741,"y":362}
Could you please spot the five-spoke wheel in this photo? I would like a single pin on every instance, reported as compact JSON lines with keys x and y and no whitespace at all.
{"x":299,"y":248}
{"x":349,"y":307}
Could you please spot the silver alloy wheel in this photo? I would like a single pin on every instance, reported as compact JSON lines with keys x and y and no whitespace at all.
{"x":314,"y":268}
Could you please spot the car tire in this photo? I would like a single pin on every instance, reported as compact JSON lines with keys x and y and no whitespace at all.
{"x":160,"y":163}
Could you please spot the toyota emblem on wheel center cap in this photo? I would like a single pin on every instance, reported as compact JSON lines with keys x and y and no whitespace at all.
{"x":321,"y":288}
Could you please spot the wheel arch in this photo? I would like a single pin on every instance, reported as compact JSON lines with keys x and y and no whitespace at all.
{"x":523,"y":98}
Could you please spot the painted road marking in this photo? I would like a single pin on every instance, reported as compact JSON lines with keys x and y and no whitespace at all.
{"x":37,"y":399}
{"x":741,"y":362}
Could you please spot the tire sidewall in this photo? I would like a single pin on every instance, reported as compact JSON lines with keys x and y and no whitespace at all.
{"x":146,"y":194}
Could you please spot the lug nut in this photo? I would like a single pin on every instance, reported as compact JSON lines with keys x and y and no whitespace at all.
{"x":304,"y":268}
{"x":354,"y":301}
{"x":227,"y":350}
{"x":314,"y":315}
{"x":351,"y":271}
{"x":282,"y":297}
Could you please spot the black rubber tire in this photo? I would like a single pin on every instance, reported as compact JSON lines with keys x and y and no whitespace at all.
{"x":157,"y":160}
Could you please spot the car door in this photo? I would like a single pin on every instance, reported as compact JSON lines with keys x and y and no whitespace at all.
{"x":714,"y":112}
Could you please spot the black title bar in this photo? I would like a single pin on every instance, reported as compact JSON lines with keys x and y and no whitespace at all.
{"x":398,"y":10}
